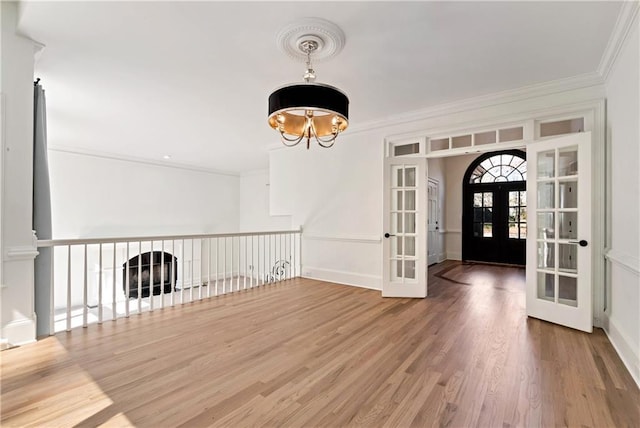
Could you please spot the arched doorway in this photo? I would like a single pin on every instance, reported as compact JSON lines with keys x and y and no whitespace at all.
{"x":494,"y":214}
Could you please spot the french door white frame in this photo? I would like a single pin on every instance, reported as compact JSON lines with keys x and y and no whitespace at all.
{"x":404,"y":246}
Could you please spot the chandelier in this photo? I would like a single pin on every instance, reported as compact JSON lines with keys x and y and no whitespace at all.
{"x":309,"y":110}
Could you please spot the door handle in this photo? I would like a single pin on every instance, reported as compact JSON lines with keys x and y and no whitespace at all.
{"x":581,"y":242}
{"x":386,"y":235}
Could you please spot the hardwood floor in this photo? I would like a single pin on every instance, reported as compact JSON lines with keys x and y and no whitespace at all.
{"x":309,"y":353}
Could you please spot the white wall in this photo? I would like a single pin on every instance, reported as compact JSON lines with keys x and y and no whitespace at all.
{"x":623,"y":111}
{"x":255,"y":214}
{"x":95,"y":197}
{"x":17,"y":243}
{"x":335,"y":194}
{"x":455,"y":168}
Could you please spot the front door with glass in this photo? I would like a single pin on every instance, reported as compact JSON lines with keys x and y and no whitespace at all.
{"x":494,"y":218}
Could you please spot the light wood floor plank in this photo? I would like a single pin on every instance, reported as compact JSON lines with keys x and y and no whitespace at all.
{"x":309,"y":353}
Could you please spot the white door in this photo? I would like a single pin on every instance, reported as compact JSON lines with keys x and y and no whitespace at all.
{"x":433,"y":227}
{"x":405,"y":241}
{"x":559,"y":248}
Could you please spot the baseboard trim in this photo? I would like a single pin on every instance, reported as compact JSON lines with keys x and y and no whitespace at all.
{"x":370,"y":282}
{"x":18,"y":333}
{"x":625,"y":351}
{"x":454,"y":255}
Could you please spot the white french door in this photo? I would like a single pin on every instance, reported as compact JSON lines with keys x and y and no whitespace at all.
{"x":559,"y":250}
{"x":405,"y":240}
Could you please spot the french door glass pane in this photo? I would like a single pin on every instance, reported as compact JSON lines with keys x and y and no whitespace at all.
{"x":410,"y":200}
{"x":396,"y":246}
{"x":546,"y":286}
{"x":546,"y":164}
{"x":568,"y":192}
{"x":568,"y":258}
{"x":567,"y":290}
{"x":546,"y":255}
{"x":410,"y":222}
{"x":396,"y":270}
{"x":546,"y":195}
{"x":568,"y":224}
{"x":546,"y":225}
{"x":409,"y":246}
{"x":568,"y":162}
{"x":396,"y":199}
{"x":487,"y":230}
{"x":397,"y":172}
{"x":477,"y":199}
{"x":410,"y":269}
{"x":410,"y":177}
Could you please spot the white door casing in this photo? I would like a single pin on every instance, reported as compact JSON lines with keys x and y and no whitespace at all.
{"x":559,"y":247}
{"x":405,"y":238}
{"x":433,"y":221}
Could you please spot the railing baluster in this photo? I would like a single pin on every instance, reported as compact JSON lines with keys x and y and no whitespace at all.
{"x":162,"y":278}
{"x":253,"y":267}
{"x":52,"y":306}
{"x":151,"y":260}
{"x":224,"y":267}
{"x":217,"y":263}
{"x":208,"y":267}
{"x":68,"y":288}
{"x":238,"y":279}
{"x":114,"y":308}
{"x":100,"y":285}
{"x":140,"y":278}
{"x":182,"y":276}
{"x":245,"y":262}
{"x":84,"y":290}
{"x":173,"y":272}
{"x":193,"y":279}
{"x":281,"y":260}
{"x":127,"y":286}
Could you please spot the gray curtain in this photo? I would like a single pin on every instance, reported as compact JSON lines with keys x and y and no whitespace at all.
{"x":41,"y":212}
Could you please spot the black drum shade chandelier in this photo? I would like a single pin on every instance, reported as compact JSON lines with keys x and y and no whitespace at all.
{"x":308,"y":110}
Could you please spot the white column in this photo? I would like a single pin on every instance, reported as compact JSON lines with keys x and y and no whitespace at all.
{"x":18,"y":245}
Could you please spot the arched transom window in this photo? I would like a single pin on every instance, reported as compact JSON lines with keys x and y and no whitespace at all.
{"x":499,"y":168}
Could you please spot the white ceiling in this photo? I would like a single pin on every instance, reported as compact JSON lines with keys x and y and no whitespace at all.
{"x":191,"y":80}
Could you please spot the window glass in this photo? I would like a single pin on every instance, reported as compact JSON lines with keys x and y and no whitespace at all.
{"x":500,"y":168}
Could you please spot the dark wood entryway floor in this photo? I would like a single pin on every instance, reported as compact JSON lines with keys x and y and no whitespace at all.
{"x":310,"y":353}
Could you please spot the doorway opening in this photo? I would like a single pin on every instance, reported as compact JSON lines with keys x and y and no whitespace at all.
{"x":494,"y":210}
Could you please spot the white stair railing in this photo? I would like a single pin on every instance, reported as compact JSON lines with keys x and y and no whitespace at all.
{"x":93,"y":280}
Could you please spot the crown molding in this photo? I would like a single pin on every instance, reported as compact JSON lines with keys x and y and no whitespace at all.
{"x":626,"y":21}
{"x":153,"y":162}
{"x":255,"y":172}
{"x":509,"y":96}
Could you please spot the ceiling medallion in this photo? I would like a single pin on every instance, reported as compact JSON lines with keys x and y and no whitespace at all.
{"x":306,"y":110}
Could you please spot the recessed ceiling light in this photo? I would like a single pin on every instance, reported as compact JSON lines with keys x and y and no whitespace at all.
{"x":167,"y":157}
